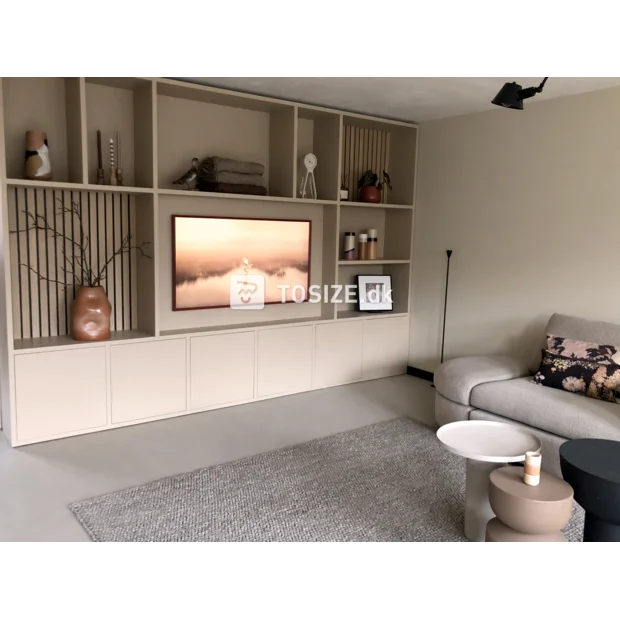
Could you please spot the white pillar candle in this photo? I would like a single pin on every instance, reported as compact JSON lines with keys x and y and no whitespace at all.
{"x":531,"y":473}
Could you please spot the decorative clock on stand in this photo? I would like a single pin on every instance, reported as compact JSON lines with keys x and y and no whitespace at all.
{"x":308,"y":182}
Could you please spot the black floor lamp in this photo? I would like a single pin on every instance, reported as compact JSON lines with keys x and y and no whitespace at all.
{"x":445,"y":308}
{"x":445,"y":305}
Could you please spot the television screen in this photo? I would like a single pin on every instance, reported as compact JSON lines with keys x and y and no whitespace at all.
{"x":209,"y":251}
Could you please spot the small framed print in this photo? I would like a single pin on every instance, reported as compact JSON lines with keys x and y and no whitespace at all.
{"x":374,"y":293}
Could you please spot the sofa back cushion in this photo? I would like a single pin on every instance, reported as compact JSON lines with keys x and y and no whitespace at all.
{"x":580,"y":349}
{"x":577,"y":329}
{"x":580,"y":376}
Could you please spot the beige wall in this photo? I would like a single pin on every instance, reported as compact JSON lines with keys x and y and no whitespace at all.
{"x":530,"y":204}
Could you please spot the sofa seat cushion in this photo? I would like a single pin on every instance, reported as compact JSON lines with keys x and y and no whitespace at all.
{"x":561,"y":413}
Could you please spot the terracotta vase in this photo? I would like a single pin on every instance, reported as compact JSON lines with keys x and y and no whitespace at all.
{"x":90,"y":314}
{"x":38,"y":165}
{"x":370,"y":193}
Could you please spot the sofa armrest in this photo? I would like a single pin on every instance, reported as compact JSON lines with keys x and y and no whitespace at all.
{"x":456,"y":378}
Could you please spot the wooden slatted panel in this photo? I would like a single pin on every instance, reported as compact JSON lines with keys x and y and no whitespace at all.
{"x":364,"y":149}
{"x":42,"y":307}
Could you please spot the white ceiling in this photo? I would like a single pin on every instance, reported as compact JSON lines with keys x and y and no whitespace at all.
{"x":415,"y":99}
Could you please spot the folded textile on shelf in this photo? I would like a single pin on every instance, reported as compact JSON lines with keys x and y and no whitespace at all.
{"x":222,"y":164}
{"x":232,"y":188}
{"x":234,"y":178}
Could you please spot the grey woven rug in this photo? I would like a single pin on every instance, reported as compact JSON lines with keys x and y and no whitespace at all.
{"x":387,"y":482}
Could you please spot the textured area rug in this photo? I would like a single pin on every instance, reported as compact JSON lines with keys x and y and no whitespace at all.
{"x":388,"y":482}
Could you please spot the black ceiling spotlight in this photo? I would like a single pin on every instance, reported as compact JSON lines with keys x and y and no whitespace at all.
{"x":511,"y":95}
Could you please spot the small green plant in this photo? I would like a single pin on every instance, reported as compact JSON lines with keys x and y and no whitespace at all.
{"x":371,"y":179}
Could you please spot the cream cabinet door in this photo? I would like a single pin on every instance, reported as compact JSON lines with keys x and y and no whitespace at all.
{"x":60,"y":392}
{"x":386,"y":347}
{"x":284,"y":360}
{"x":338,"y":353}
{"x":149,"y":379}
{"x":222,"y":369}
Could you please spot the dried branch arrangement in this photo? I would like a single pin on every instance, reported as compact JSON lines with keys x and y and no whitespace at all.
{"x":78,"y":253}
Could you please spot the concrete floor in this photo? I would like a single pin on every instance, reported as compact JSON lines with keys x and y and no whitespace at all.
{"x":37,"y":483}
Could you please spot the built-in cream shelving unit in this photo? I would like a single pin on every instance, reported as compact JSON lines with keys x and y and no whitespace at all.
{"x":159,"y":363}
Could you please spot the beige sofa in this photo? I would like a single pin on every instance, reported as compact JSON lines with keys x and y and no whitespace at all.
{"x":499,"y":388}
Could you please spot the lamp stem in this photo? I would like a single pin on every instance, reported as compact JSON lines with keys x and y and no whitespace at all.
{"x":445,"y":304}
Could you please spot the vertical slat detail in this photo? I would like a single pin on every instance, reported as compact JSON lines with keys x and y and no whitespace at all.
{"x":43,"y":302}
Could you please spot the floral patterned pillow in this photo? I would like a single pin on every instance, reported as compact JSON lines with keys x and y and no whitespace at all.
{"x":580,"y":376}
{"x":578,"y":349}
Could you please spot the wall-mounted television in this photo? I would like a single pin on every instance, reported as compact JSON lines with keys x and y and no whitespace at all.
{"x":208,"y":251}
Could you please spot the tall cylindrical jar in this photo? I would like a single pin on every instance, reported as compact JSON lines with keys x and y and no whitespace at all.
{"x":362,"y":247}
{"x":349,"y":246}
{"x":372,"y":245}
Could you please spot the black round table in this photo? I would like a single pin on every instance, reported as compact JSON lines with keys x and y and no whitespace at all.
{"x":592,"y":468}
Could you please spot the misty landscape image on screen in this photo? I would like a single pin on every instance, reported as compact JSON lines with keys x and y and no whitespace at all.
{"x":209,"y":251}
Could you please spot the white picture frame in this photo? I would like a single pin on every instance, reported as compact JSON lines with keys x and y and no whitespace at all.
{"x":374,"y":293}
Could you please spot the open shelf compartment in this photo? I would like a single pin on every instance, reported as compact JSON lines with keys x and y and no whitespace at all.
{"x":54,"y":106}
{"x":122,"y":106}
{"x":393,"y":226}
{"x":318,"y":132}
{"x":42,"y":303}
{"x":323,"y":265}
{"x":347,"y":275}
{"x":370,"y":144}
{"x":195,"y":121}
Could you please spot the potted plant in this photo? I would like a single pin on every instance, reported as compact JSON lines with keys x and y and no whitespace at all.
{"x":91,"y":309}
{"x":370,"y":186}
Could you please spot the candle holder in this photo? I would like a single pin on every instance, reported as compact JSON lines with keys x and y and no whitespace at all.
{"x":112,"y":173}
{"x":531,"y":471}
{"x":100,"y":172}
{"x":119,"y":169}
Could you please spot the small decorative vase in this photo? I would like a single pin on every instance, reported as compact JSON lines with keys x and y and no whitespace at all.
{"x":38,"y":165}
{"x":90,"y":314}
{"x":370,"y":193}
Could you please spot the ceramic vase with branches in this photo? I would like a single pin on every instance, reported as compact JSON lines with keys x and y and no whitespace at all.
{"x":91,"y":309}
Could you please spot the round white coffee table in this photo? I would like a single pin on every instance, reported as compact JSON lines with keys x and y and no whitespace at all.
{"x":486,"y":446}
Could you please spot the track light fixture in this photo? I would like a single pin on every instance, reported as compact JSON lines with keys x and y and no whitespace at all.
{"x":511,"y":95}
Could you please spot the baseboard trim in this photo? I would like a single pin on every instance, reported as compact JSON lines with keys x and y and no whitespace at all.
{"x":419,"y":373}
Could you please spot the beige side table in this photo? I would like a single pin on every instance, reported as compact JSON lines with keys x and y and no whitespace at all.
{"x":525,"y":513}
{"x":486,"y":445}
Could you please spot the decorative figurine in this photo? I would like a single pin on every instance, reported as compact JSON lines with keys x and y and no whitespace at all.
{"x":310,"y":163}
{"x":38,"y":165}
{"x":100,"y":173}
{"x":112,"y":167}
{"x":188,"y":180}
